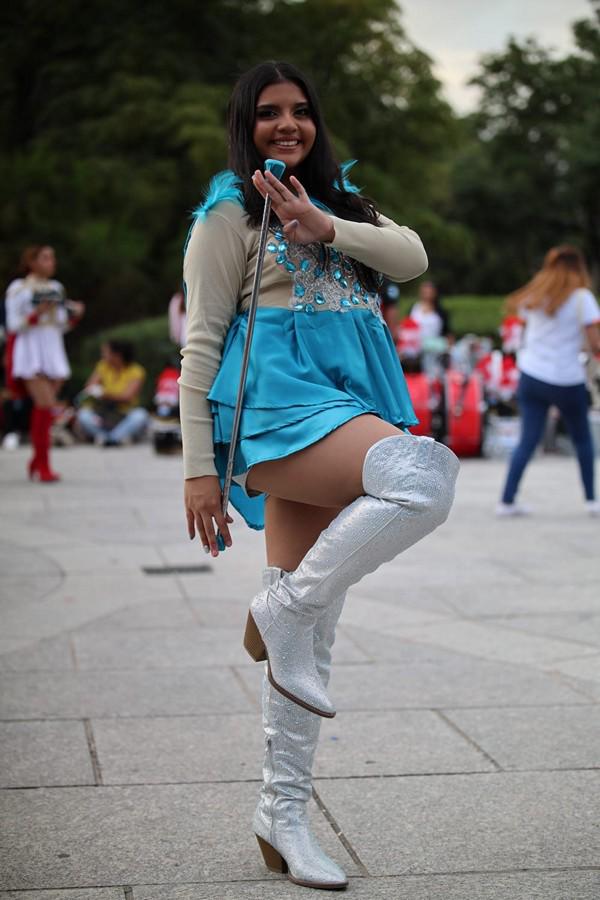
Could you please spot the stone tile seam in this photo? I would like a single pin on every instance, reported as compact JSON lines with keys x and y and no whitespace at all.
{"x":527,"y":614}
{"x":383,"y":776}
{"x":93,"y":751}
{"x":487,"y":622}
{"x":252,"y":697}
{"x":456,"y":873}
{"x":573,"y":684}
{"x":591,"y":702}
{"x":82,"y":670}
{"x":473,"y":743}
{"x":540,"y":666}
{"x":73,"y":652}
{"x":152,"y":718}
{"x":349,"y":637}
{"x":587,"y":657}
{"x":40,"y":552}
{"x":180,"y":587}
{"x":352,"y":853}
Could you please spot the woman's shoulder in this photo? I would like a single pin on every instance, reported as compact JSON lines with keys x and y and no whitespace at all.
{"x":221,"y":211}
{"x":223,"y":194}
{"x":14,"y":288}
{"x":582,"y":295}
{"x":584,"y":305}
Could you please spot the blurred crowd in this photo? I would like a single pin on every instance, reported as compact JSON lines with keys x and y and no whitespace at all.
{"x":536,"y":382}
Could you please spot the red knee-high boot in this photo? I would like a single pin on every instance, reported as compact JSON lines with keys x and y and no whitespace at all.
{"x":33,"y":434}
{"x":40,"y":465}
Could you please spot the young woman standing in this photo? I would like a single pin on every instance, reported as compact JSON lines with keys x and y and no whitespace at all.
{"x":323,"y":433}
{"x":37,"y":315}
{"x":560,"y":312}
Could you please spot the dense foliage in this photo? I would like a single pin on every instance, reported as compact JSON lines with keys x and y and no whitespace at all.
{"x":112,"y":121}
{"x":528,"y":174}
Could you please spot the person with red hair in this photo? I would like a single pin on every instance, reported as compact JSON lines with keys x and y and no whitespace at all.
{"x":560,"y":314}
{"x":37,"y":315}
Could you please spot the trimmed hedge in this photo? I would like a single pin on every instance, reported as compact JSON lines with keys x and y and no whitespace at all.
{"x":469,"y":313}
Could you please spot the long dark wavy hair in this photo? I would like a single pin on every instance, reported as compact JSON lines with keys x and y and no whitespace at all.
{"x":320,"y":173}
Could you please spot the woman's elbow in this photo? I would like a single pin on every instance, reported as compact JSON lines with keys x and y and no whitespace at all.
{"x":411,"y":265}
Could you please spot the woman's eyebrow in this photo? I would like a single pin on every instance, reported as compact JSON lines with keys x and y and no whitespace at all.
{"x":276,"y":105}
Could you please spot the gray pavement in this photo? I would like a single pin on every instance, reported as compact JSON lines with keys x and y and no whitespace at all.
{"x":463,"y":763}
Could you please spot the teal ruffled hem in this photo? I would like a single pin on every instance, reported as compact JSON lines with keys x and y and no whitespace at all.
{"x":308,"y":375}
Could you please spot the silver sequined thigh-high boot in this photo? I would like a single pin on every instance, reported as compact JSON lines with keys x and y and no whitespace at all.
{"x":409,"y":488}
{"x":281,"y":820}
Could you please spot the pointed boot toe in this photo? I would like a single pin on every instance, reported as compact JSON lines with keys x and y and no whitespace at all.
{"x":291,"y":849}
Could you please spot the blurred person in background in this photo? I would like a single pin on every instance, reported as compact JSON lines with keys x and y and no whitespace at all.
{"x":111,"y":414}
{"x":390,"y":296}
{"x":177,"y":317}
{"x":37,"y":315}
{"x":560,"y":314}
{"x":429,"y":314}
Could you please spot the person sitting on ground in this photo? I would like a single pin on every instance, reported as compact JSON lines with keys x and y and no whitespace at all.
{"x":112,"y":414}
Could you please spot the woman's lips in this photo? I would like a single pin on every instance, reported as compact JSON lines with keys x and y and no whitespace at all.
{"x":287,"y":145}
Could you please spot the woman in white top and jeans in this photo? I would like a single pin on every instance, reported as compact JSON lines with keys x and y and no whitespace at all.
{"x":558,"y":308}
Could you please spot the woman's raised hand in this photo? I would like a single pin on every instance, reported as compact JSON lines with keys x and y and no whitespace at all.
{"x":303,"y":222}
{"x":203,"y":500}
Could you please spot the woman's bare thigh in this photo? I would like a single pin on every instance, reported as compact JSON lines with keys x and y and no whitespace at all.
{"x":329,"y":472}
{"x":291,"y":529}
{"x":41,"y":390}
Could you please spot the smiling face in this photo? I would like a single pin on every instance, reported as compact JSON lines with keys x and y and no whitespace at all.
{"x":283,"y":126}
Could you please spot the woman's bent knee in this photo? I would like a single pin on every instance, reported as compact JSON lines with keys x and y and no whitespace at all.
{"x":415,"y":472}
{"x":434,"y":492}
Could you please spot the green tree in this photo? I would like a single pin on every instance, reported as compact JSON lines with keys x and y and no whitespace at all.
{"x":528,"y":176}
{"x":112,"y":122}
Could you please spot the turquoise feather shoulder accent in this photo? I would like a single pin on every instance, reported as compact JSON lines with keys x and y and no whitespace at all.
{"x":223,"y":186}
{"x":346,"y":183}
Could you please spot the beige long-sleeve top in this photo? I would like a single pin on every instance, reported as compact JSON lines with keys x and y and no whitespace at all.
{"x":218,"y":270}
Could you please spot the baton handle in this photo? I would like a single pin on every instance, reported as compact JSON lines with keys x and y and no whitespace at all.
{"x":277,"y":167}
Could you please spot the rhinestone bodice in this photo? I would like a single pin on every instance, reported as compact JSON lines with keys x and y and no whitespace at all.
{"x":322,"y":278}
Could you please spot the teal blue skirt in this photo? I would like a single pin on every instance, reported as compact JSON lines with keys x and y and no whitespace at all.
{"x":308,"y":374}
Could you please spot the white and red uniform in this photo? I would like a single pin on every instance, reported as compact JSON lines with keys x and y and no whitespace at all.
{"x":38,"y":347}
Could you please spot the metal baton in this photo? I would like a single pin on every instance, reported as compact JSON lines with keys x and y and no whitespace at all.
{"x":277,"y":168}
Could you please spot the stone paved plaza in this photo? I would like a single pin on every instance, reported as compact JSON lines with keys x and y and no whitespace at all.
{"x":464,"y":760}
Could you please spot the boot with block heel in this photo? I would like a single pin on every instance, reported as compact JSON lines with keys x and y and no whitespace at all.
{"x":293,"y":636}
{"x":409,"y":488}
{"x":281,"y":821}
